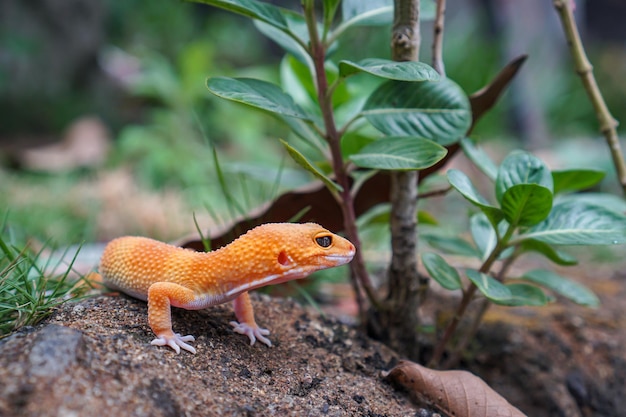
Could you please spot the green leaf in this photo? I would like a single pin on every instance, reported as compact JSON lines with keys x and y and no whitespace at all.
{"x":556,"y":256}
{"x":304,"y":163}
{"x":256,"y":93}
{"x":424,"y":217}
{"x":391,"y":70}
{"x":372,"y":12}
{"x":439,"y":111}
{"x":572,"y":180}
{"x":286,"y":40}
{"x":305,"y":130}
{"x":526,"y":204}
{"x":352,"y":143}
{"x":255,"y":9}
{"x":380,"y":213}
{"x":522,"y":168}
{"x":578,"y":223}
{"x":608,"y":201}
{"x":330,"y":8}
{"x":491,"y":288}
{"x":440,"y":271}
{"x":377,"y":12}
{"x":399,"y":153}
{"x":524,"y":295}
{"x":450,"y":245}
{"x":479,"y":158}
{"x":463,"y":185}
{"x":566,"y":287}
{"x":483,"y":234}
{"x":296,"y":78}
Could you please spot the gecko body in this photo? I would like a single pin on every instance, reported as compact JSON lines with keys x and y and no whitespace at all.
{"x":166,"y":275}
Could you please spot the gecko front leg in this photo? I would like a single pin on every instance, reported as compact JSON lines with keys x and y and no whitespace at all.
{"x":246,"y":324}
{"x":161,"y":295}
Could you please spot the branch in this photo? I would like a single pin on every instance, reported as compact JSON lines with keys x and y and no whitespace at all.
{"x":402,"y":273}
{"x":405,"y":38}
{"x":438,"y":38}
{"x":584,"y":69}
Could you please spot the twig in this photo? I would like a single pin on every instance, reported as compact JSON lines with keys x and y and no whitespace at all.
{"x":585,"y":70}
{"x":436,"y":193}
{"x":438,"y":38}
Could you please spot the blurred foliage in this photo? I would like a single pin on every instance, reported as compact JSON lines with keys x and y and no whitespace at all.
{"x":48,"y":206}
{"x":192,"y":39}
{"x":166,"y":123}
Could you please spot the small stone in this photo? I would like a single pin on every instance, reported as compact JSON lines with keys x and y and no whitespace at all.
{"x":54,"y":350}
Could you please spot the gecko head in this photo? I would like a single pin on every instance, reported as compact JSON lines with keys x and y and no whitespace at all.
{"x":274,"y":253}
{"x":300,"y":249}
{"x":316,"y":247}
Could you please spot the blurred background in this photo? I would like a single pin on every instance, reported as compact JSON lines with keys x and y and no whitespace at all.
{"x":107,"y":128}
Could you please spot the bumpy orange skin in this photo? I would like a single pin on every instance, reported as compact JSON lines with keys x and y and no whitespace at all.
{"x":166,"y":275}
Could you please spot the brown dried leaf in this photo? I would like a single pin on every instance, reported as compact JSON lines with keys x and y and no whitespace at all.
{"x":456,"y":393}
{"x":323,"y":207}
{"x":485,"y":98}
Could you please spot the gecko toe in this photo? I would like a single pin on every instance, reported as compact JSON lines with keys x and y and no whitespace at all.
{"x":253,"y":332}
{"x":176,"y":342}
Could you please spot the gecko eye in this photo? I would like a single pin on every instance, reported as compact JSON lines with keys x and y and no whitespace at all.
{"x":324,"y":241}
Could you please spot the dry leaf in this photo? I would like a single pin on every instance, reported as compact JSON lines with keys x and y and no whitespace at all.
{"x":456,"y":393}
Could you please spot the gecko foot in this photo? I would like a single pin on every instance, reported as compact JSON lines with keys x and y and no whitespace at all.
{"x":175,"y":341}
{"x":253,"y":332}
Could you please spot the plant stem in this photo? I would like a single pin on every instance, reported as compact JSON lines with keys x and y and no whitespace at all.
{"x":468,"y":295}
{"x":584,"y":69}
{"x":437,"y":49}
{"x":455,"y":355}
{"x":332,"y":136}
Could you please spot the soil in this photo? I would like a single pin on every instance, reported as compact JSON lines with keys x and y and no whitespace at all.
{"x":562,"y":360}
{"x":96,"y":355}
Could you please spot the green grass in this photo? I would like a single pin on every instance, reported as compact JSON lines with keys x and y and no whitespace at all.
{"x":28,"y":290}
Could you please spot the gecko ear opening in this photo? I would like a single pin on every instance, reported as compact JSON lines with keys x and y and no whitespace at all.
{"x":283,"y":259}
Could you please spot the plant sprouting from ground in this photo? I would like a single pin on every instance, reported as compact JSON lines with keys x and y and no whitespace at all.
{"x":407,"y":119}
{"x":533,"y":213}
{"x":346,"y":133}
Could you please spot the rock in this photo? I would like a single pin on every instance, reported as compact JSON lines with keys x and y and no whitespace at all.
{"x":54,"y":351}
{"x":95,"y":357}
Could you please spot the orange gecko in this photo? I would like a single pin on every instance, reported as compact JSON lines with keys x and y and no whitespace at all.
{"x":167,"y":275}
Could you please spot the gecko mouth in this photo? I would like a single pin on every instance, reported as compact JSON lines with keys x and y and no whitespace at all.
{"x":340,"y":259}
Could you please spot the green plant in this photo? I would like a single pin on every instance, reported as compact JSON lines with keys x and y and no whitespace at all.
{"x":407,"y":118}
{"x":535,"y":212}
{"x":29,"y":290}
{"x":331,"y":115}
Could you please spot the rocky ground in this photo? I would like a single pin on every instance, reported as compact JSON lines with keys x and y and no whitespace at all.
{"x":94,"y":356}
